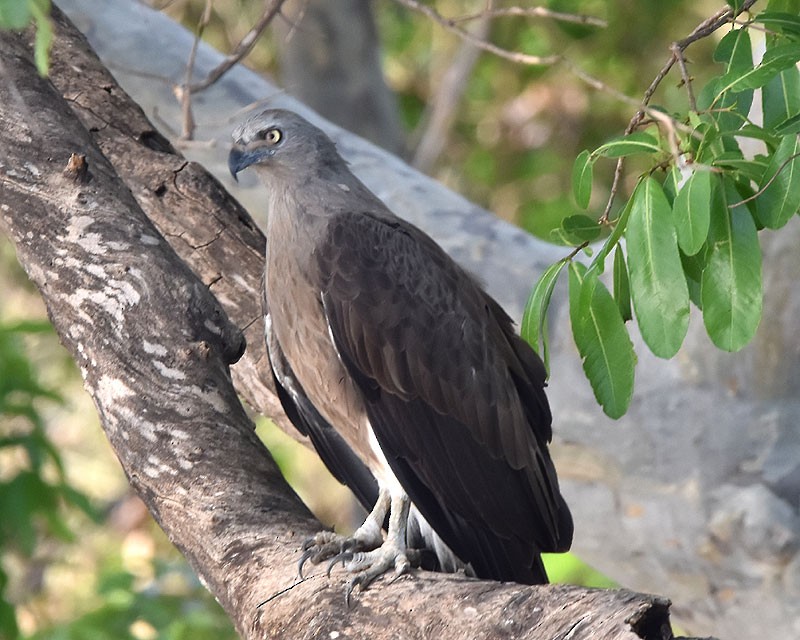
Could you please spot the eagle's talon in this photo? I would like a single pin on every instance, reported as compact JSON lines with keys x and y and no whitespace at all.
{"x":322,"y":539}
{"x":303,"y":559}
{"x":348,"y":592}
{"x":345,"y":557}
{"x":327,"y":545}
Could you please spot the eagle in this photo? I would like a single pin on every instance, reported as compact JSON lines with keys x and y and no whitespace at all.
{"x":406,"y":375}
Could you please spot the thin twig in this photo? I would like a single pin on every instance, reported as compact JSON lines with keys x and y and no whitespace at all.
{"x":575,"y":251}
{"x":534,"y":12}
{"x":243,"y":48}
{"x":295,"y":22}
{"x":450,"y":25}
{"x":750,"y":24}
{"x":613,"y":193}
{"x":521,"y":58}
{"x":685,"y":77}
{"x":184,"y":92}
{"x":642,"y":108}
{"x":704,"y":29}
{"x":672,"y":135}
{"x":769,"y":182}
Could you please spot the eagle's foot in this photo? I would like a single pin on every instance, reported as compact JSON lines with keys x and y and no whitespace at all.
{"x":366,"y":554}
{"x":370,"y":565}
{"x":327,"y":544}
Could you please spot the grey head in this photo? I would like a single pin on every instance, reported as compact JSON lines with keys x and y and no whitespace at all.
{"x":283,"y":145}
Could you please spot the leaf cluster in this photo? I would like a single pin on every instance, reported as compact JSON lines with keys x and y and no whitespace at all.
{"x":716,"y":175}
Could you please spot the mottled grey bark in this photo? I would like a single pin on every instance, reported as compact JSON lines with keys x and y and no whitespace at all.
{"x":154,"y":343}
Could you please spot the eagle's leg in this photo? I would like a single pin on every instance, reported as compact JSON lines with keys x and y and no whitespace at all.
{"x":392,"y":554}
{"x":327,"y":544}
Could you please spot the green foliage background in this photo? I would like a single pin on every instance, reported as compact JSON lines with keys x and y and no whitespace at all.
{"x":72,"y":565}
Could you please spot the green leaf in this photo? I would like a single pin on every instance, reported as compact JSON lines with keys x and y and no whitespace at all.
{"x":673,"y":181}
{"x":735,"y":51}
{"x":559,"y":236}
{"x":25,"y":495}
{"x":692,"y":211}
{"x":80,"y":501}
{"x":784,"y":6}
{"x":705,"y":140}
{"x":728,"y":110}
{"x":789,"y":127}
{"x":622,"y":288}
{"x":732,"y":110}
{"x":786,"y":23}
{"x":775,"y":60}
{"x":780,"y":98}
{"x":44,"y":35}
{"x":693,"y":269}
{"x":580,"y":228}
{"x":582,"y":179}
{"x":780,"y":198}
{"x":753,"y":132}
{"x":750,"y":169}
{"x":14,"y":14}
{"x":658,"y":287}
{"x":17,"y":14}
{"x":603,"y":343}
{"x":639,"y":142}
{"x":620,"y":224}
{"x":534,"y":319}
{"x":731,"y":281}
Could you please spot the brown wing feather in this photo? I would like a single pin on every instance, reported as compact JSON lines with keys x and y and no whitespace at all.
{"x":456,"y":400}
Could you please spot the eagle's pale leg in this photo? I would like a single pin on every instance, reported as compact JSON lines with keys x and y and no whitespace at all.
{"x":392,"y":554}
{"x":371,"y":531}
{"x":327,"y":544}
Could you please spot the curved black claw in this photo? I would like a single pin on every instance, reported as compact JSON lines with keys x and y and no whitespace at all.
{"x":308,"y":552}
{"x":309,"y":543}
{"x":343,"y":557}
{"x":348,"y":592}
{"x":326,"y":545}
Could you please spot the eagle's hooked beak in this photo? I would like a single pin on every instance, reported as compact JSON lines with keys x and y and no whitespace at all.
{"x":240,"y":158}
{"x":237,"y":160}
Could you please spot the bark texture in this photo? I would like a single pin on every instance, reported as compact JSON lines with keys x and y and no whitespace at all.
{"x":154,"y":339}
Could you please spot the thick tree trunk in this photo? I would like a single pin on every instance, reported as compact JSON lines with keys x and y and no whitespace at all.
{"x":153,"y":339}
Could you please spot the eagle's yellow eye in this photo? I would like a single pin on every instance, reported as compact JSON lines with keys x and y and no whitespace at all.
{"x":273,"y":136}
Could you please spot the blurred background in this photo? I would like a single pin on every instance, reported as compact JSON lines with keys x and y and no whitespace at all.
{"x":80,"y":557}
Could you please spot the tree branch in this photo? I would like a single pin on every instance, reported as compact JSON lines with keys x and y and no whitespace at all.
{"x":154,"y":345}
{"x":534,"y":12}
{"x":452,"y":26}
{"x":271,"y":9}
{"x":188,"y":88}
